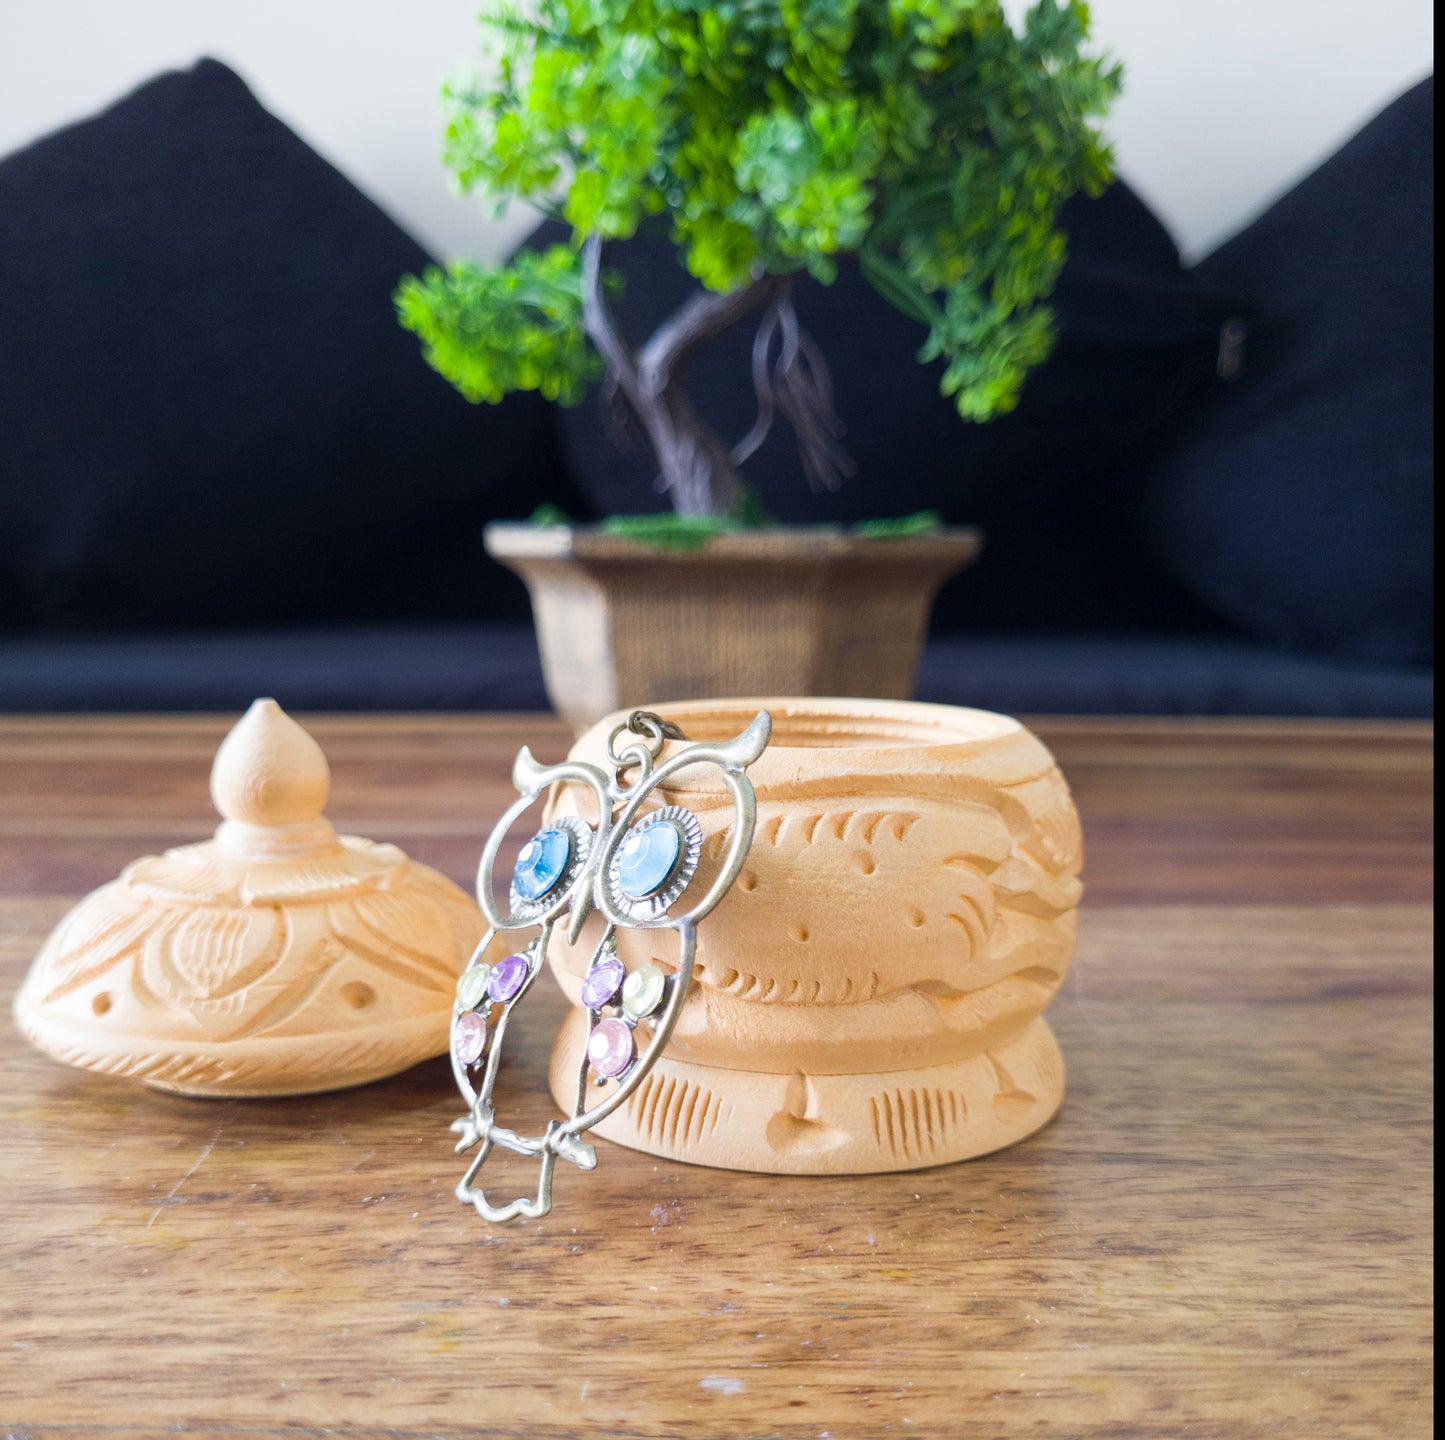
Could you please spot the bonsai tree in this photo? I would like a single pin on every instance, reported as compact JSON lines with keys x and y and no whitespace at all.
{"x":933,"y":139}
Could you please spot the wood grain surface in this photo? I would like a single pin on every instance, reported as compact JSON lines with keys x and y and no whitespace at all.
{"x":1226,"y":1232}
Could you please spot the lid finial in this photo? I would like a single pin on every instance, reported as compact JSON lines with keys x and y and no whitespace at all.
{"x":270,"y":782}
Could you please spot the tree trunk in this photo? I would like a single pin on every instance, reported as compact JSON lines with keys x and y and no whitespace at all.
{"x":696,"y":469}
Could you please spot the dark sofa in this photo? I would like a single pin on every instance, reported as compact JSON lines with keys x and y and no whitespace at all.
{"x":225,"y":471}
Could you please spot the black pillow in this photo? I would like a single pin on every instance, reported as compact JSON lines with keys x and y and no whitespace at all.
{"x":1302,"y":504}
{"x":207,"y":410}
{"x":1137,"y":340}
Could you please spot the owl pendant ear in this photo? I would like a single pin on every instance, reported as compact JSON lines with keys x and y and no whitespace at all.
{"x":637,"y":869}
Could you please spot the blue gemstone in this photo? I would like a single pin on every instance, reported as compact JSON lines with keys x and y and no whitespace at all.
{"x":647,"y":859}
{"x":542,"y":863}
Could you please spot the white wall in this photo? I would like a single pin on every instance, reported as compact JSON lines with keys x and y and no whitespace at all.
{"x":1227,"y":100}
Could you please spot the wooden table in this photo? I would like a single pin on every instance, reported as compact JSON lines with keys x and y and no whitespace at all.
{"x":1225,"y":1233}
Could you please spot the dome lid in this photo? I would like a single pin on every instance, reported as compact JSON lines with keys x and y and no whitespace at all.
{"x":276,"y":958}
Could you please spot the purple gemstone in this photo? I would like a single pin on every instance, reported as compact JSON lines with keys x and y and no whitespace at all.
{"x":602,"y":983}
{"x":508,"y":977}
{"x":469,"y":1037}
{"x":609,"y":1048}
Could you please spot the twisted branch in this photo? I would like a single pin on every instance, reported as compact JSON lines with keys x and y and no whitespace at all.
{"x":798,"y":386}
{"x":705,"y":316}
{"x":695,"y":468}
{"x":602,"y":328}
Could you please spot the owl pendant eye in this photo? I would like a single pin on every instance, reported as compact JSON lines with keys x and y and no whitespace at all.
{"x":542,"y":864}
{"x":634,"y":867}
{"x":648,"y":859}
{"x":548,"y":868}
{"x":654,"y":863}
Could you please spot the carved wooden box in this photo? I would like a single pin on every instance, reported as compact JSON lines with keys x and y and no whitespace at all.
{"x":870,"y":995}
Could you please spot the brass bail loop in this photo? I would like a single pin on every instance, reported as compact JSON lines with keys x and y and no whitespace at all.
{"x":649,"y":734}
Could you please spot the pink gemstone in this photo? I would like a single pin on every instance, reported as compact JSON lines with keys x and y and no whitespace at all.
{"x":609,"y":1048}
{"x":469,"y":1037}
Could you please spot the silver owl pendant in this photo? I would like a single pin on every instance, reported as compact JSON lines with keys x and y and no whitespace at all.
{"x":634,"y":867}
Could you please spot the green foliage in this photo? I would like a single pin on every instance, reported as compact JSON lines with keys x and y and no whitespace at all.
{"x":667,"y":531}
{"x":931,"y":137}
{"x":921,"y":522}
{"x":494,"y":331}
{"x":671,"y":532}
{"x":694,"y":532}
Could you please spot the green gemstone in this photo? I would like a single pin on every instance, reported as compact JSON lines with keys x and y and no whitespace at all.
{"x":642,"y":990}
{"x":473,"y":986}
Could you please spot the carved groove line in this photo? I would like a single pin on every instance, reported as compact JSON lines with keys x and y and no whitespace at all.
{"x":742,"y":985}
{"x":438,"y":963}
{"x":369,"y":1058}
{"x":973,"y":921}
{"x":130,"y":946}
{"x":674,"y":1113}
{"x":915,"y":1123}
{"x":1008,"y":1088}
{"x":312,"y":974}
{"x":830,"y":824}
{"x":212,"y":964}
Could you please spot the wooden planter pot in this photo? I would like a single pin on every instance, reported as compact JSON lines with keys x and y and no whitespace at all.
{"x":780,"y":612}
{"x":869,"y":996}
